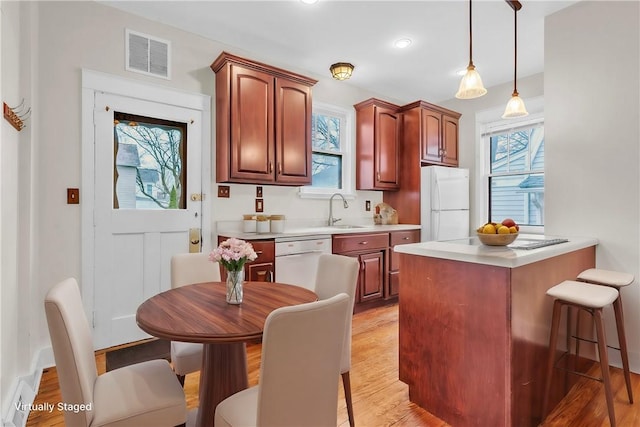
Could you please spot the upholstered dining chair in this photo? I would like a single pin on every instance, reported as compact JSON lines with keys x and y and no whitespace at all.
{"x":141,"y":394}
{"x":186,"y":269}
{"x":300,"y":367}
{"x":339,"y":274}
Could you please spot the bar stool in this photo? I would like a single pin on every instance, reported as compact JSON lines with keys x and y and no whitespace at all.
{"x":617,"y":280}
{"x":592,"y":299}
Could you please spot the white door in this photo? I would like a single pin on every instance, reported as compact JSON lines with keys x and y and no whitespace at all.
{"x":139,"y":221}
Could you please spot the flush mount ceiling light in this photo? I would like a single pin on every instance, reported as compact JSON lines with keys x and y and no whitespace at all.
{"x":402,"y":43}
{"x":471,"y":84}
{"x":341,"y":70}
{"x":309,"y":1}
{"x":515,"y":106}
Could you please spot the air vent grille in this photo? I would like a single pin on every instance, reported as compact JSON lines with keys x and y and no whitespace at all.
{"x":147,"y":55}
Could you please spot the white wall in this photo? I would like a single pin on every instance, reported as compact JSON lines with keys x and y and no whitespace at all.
{"x":592,"y":97}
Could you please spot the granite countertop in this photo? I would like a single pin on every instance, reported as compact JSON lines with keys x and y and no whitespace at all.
{"x":471,"y":250}
{"x":318,"y":231}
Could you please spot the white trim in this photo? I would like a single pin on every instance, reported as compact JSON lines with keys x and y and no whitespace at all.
{"x":24,"y":389}
{"x":94,"y":82}
{"x":348,"y":159}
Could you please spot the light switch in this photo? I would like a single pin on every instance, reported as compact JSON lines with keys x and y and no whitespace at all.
{"x":73,"y":196}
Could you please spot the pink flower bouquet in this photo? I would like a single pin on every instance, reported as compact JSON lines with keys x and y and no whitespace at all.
{"x":233,"y":254}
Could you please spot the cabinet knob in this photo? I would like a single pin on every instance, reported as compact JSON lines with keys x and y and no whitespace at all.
{"x":378,"y":176}
{"x":279,"y":168}
{"x":270,"y":167}
{"x":364,"y":242}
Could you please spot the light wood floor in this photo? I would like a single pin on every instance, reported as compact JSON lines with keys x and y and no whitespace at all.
{"x":380,"y":399}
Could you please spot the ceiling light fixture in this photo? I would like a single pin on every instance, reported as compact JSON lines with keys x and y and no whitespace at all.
{"x":471,"y":84}
{"x":341,"y":70}
{"x":515,"y":106}
{"x":402,"y":43}
{"x":309,"y":1}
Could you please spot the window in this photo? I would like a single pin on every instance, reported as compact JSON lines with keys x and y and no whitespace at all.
{"x":330,"y":160}
{"x":150,"y":163}
{"x":516,"y":173}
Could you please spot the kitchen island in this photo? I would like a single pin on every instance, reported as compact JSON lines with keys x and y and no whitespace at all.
{"x":474,"y":325}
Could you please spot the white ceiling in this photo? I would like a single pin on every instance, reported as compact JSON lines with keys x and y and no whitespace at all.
{"x":311,"y":37}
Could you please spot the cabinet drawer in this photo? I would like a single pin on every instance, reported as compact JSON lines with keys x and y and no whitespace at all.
{"x":402,"y":237}
{"x":265,"y":249}
{"x":360,"y":242}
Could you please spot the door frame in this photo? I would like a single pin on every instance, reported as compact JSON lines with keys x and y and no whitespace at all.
{"x":92,"y":83}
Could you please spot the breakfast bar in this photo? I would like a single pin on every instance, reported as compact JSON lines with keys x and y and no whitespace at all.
{"x":474,"y":325}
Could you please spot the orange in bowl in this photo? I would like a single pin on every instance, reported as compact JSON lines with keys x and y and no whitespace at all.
{"x":497,"y":239}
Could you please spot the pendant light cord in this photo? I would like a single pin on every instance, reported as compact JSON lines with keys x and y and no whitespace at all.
{"x":515,"y":51}
{"x":470,"y":37}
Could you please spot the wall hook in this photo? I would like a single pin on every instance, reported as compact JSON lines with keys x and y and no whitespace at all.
{"x":16,"y":115}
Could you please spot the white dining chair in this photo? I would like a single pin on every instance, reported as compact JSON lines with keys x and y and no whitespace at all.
{"x":186,"y":269}
{"x":300,"y":367}
{"x":142,"y":394}
{"x":339,"y":274}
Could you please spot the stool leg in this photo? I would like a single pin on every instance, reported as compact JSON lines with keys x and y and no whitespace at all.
{"x":604,"y":363}
{"x":622,"y":340}
{"x":553,"y":339}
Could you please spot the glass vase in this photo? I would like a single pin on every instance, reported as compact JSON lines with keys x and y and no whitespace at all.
{"x":235,"y":279}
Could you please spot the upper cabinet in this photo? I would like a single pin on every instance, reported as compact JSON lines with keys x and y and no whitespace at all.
{"x":377,"y":145}
{"x":434,"y":129}
{"x":263,"y":123}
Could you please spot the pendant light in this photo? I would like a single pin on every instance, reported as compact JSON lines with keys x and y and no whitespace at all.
{"x":515,"y":106}
{"x":471,"y":84}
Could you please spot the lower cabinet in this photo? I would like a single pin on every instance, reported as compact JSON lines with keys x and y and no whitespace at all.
{"x":398,"y":238}
{"x":371,"y":250}
{"x":263,"y":268}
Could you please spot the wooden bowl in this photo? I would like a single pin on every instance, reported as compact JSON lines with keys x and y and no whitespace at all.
{"x":497,"y":239}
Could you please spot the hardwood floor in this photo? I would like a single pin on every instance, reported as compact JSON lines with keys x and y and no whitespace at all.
{"x":380,"y":399}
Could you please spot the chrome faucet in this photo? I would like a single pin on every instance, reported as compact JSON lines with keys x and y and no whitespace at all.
{"x":333,"y":220}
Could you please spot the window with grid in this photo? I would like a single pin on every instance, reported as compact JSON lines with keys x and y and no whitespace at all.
{"x":516,"y":174}
{"x":330,"y":153}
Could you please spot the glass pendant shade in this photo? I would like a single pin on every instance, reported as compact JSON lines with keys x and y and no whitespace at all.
{"x":471,"y":85}
{"x":341,"y":70}
{"x":515,"y":107}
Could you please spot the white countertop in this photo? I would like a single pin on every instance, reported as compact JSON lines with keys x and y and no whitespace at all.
{"x":471,"y":250}
{"x":319,"y":231}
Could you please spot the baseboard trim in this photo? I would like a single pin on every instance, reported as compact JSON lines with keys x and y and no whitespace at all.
{"x":25,"y":388}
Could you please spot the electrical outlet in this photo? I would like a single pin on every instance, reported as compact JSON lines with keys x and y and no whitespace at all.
{"x":259,"y":205}
{"x":224,"y":191}
{"x":367,"y":205}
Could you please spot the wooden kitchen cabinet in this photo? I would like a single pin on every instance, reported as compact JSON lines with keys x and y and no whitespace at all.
{"x":371,"y":250}
{"x":263,"y":123}
{"x":263,"y":268}
{"x":377,"y":145}
{"x":434,"y":129}
{"x":398,"y":238}
{"x":429,"y":137}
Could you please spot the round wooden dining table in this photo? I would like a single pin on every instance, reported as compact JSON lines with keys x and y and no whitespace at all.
{"x":199,"y":313}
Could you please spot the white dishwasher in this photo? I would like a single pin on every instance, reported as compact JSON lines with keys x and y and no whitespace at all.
{"x":297,"y":259}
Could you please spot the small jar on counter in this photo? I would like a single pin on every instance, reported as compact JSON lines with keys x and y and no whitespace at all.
{"x":277,"y":223}
{"x":262,"y":224}
{"x":249,"y":223}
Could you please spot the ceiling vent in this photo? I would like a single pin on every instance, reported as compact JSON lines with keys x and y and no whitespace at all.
{"x":147,"y":55}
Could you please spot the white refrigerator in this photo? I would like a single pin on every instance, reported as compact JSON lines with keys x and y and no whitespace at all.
{"x":444,"y":203}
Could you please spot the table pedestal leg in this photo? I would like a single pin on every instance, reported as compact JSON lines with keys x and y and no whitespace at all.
{"x":224,"y":372}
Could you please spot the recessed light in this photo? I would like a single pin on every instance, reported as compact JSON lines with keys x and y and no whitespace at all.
{"x":402,"y":43}
{"x":309,"y":1}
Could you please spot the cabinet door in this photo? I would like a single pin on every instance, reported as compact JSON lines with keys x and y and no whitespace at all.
{"x":293,"y":132}
{"x":252,"y":151}
{"x":430,"y":148}
{"x":262,"y":272}
{"x":450,"y":141}
{"x":387,"y":146}
{"x":371,"y":280}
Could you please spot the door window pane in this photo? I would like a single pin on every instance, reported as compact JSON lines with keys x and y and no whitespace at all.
{"x":150,"y":163}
